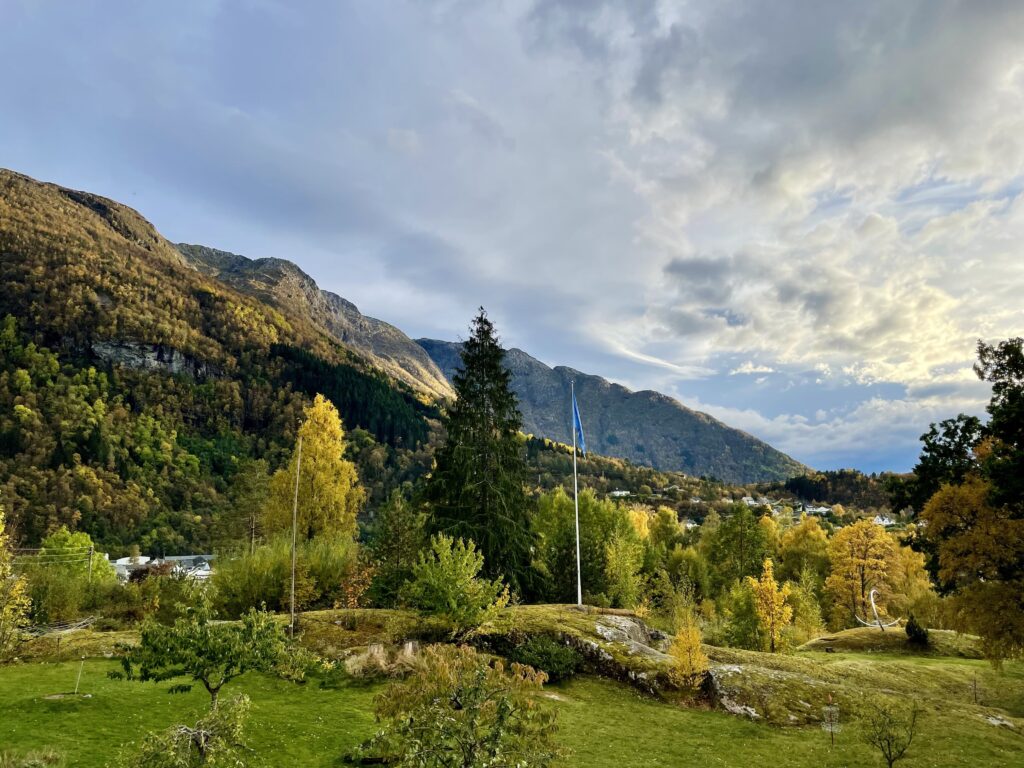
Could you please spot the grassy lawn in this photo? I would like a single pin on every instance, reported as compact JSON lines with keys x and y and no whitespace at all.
{"x":290,"y":724}
{"x":604,"y":723}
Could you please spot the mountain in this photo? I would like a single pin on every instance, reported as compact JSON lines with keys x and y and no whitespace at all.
{"x":644,"y":427}
{"x":284,"y":286}
{"x":135,"y":388}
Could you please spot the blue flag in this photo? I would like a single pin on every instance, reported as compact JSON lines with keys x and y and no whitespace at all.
{"x":578,"y":425}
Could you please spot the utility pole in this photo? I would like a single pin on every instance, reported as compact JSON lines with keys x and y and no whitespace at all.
{"x":92,"y":548}
{"x":295,"y":519}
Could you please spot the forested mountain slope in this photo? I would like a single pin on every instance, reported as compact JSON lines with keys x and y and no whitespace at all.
{"x":133,"y":387}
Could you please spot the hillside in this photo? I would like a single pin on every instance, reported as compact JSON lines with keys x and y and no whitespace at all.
{"x":138,"y":379}
{"x":133,"y":387}
{"x":759,"y":704}
{"x":646,"y":427}
{"x":284,"y":286}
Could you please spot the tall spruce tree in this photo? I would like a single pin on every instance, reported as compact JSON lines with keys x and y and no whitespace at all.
{"x":476,"y":489}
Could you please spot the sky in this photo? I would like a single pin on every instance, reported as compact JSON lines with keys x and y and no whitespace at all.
{"x":799,"y":217}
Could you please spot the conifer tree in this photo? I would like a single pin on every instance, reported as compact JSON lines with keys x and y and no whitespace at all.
{"x":476,"y":489}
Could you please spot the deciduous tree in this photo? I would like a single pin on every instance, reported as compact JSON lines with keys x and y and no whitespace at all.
{"x":203,"y":650}
{"x":861,"y":556}
{"x":689,"y":662}
{"x":804,"y":547}
{"x":214,"y":740}
{"x":979,"y":548}
{"x":14,"y":598}
{"x":890,"y":729}
{"x":770,"y":602}
{"x":329,"y":493}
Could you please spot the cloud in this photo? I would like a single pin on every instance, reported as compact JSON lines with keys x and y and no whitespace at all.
{"x":749,"y":367}
{"x":688,"y":196}
{"x":470,"y":112}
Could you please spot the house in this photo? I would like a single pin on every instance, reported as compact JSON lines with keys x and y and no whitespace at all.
{"x":123,"y":566}
{"x":884,"y":520}
{"x":619,"y":494}
{"x":194,"y":566}
{"x":810,"y":509}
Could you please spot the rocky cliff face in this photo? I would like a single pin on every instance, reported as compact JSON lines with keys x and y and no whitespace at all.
{"x":281,"y":283}
{"x":644,"y":427}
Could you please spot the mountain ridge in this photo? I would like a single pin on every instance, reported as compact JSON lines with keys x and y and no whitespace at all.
{"x":646,"y":427}
{"x":142,"y":301}
{"x":281,"y":282}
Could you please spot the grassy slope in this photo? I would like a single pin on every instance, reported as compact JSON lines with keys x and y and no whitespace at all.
{"x":604,"y":723}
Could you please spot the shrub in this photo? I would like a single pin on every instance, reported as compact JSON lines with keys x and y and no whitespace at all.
{"x":215,"y":739}
{"x":890,"y":729}
{"x":689,"y":662}
{"x":377,"y":662}
{"x":36,"y":759}
{"x":164,"y":598}
{"x":326,"y":569}
{"x":65,"y":575}
{"x":445,"y":583}
{"x":459,"y":709}
{"x":556,"y":659}
{"x":917,"y":635}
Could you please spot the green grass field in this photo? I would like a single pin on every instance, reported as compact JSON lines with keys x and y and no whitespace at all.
{"x":603,"y":723}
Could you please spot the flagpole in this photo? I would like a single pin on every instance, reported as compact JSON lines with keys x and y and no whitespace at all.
{"x":576,"y":497}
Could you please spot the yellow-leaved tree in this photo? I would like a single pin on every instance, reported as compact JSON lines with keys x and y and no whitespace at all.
{"x":804,"y":547}
{"x":690,"y":663}
{"x":773,"y":613}
{"x":14,"y":599}
{"x":329,"y":494}
{"x":862,"y":556}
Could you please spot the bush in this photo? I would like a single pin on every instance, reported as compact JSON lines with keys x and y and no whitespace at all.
{"x":460,"y":709}
{"x":325,"y":567}
{"x":377,"y":662}
{"x":689,"y":662}
{"x":917,"y":635}
{"x":445,"y":583}
{"x":37,"y":759}
{"x":215,"y":739}
{"x":890,"y":728}
{"x":164,"y":598}
{"x":558,"y":660}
